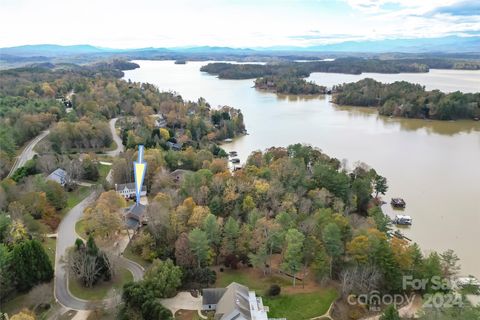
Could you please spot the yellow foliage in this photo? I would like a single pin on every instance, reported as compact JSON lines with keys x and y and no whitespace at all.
{"x":359,"y":248}
{"x":25,"y":314}
{"x":401,"y":253}
{"x":164,"y":133}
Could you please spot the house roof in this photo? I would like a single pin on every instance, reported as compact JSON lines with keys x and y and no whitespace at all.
{"x":234,"y":302}
{"x":59,"y":175}
{"x":137,"y":210}
{"x":212,"y":295}
{"x":130,"y":186}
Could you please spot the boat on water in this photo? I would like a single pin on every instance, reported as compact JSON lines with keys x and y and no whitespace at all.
{"x":398,"y":203}
{"x":235,"y":160}
{"x":404,"y":220}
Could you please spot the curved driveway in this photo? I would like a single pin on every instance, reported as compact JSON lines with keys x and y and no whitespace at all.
{"x":116,"y":138}
{"x":65,"y":238}
{"x":27,"y":152}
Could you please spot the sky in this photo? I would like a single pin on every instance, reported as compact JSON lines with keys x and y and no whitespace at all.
{"x":233,"y":23}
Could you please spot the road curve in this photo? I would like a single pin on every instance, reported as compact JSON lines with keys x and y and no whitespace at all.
{"x":27,"y":152}
{"x":66,"y":237}
{"x":116,"y":138}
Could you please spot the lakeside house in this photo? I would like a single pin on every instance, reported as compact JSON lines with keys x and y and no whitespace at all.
{"x":160,"y":121}
{"x":235,"y":301}
{"x":176,"y":146}
{"x":60,"y":176}
{"x":127,"y":190}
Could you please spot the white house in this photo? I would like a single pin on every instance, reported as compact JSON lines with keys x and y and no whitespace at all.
{"x":235,"y":302}
{"x":127,"y":190}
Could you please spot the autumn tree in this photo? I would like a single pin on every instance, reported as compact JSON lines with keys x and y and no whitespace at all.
{"x":104,"y":217}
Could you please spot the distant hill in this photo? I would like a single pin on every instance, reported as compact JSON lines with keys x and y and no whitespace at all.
{"x":51,"y":50}
{"x":444,"y":45}
{"x":420,"y":45}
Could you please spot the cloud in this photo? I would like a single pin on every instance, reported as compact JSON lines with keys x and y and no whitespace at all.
{"x":463,"y":8}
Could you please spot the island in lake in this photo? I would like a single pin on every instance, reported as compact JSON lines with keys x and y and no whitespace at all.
{"x":289,"y":85}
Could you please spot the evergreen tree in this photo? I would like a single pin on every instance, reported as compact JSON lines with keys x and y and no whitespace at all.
{"x":390,"y":313}
{"x":31,"y":264}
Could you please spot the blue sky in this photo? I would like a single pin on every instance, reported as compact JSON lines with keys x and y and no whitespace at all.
{"x":247,"y":23}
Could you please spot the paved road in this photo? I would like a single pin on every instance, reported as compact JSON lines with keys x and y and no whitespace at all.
{"x":27,"y":152}
{"x":116,"y":138}
{"x":66,"y":238}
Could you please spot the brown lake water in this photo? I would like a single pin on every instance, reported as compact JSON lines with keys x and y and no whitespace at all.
{"x":433,"y":165}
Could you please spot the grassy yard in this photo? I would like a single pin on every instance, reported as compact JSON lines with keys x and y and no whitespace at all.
{"x":294,"y":303}
{"x":301,"y":305}
{"x":28,"y":300}
{"x":100,"y":290}
{"x":129,"y":254}
{"x":50,"y":244}
{"x":80,"y":229}
{"x":75,"y":196}
{"x":103,"y":171}
{"x":254,"y":282}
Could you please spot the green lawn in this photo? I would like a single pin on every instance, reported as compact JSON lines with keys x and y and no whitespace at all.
{"x":301,"y":305}
{"x":80,"y":229}
{"x":259,"y":284}
{"x":129,"y":254}
{"x":26,"y":300}
{"x":50,"y":244}
{"x":75,"y":196}
{"x":103,"y":171}
{"x":100,"y":290}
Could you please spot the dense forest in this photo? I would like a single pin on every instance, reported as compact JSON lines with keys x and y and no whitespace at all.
{"x":288,"y":85}
{"x":409,"y":100}
{"x":31,"y":101}
{"x":340,"y":65}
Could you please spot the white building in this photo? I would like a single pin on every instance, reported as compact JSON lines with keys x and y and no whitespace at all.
{"x":127,"y":190}
{"x":235,"y":302}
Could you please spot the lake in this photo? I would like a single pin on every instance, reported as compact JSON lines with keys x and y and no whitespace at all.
{"x":433,"y":165}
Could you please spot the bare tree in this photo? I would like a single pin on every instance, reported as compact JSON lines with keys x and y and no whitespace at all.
{"x":40,"y":294}
{"x":360,"y":279}
{"x":84,"y":266}
{"x":47,"y":163}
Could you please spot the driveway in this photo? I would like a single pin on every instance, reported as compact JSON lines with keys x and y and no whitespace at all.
{"x":66,"y":237}
{"x":183,"y":300}
{"x":27,"y":152}
{"x":116,"y":138}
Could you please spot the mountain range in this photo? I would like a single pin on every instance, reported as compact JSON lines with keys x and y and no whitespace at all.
{"x":450,"y":44}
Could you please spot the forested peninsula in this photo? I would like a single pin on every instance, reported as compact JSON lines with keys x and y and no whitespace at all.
{"x":404,"y":99}
{"x":340,"y":65}
{"x":400,"y":99}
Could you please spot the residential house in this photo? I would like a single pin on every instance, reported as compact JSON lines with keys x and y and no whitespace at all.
{"x":135,"y":216}
{"x":127,"y":190}
{"x":174,"y":146}
{"x":60,"y":176}
{"x":235,"y":301}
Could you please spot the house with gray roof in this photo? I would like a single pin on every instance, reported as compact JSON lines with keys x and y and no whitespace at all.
{"x":60,"y":176}
{"x":235,"y":302}
{"x":135,"y":216}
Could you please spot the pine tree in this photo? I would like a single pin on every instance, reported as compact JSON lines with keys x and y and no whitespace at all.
{"x":31,"y":264}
